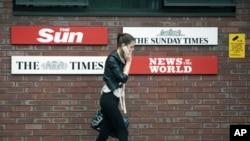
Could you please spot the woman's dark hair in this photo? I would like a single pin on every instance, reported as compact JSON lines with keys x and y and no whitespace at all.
{"x":124,"y":38}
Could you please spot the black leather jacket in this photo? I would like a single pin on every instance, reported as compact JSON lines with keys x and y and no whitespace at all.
{"x":113,"y":71}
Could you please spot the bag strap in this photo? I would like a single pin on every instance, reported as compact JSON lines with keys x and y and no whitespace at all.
{"x":122,"y":99}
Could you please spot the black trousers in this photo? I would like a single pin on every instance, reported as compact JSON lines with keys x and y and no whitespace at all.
{"x":112,"y":118}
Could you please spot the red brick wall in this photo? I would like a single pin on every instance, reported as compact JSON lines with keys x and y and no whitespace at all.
{"x":166,"y":107}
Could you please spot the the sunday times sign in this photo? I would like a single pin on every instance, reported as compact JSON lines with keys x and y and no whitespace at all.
{"x":147,"y":65}
{"x":174,"y":35}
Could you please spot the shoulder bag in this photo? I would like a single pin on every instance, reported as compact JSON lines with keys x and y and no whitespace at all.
{"x":97,"y":122}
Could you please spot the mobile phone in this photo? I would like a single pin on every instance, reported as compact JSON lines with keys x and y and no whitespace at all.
{"x":125,"y":49}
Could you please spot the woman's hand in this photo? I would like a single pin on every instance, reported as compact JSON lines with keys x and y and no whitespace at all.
{"x":128,"y":56}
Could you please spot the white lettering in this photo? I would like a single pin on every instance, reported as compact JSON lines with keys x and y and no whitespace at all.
{"x":163,"y":69}
{"x":170,"y":61}
{"x":178,"y":69}
{"x":59,"y":39}
{"x":154,"y":69}
{"x":75,"y":35}
{"x":45,"y":34}
{"x":164,"y":61}
{"x":152,"y":61}
{"x":48,"y":35}
{"x":239,"y":132}
{"x":65,"y":29}
{"x":179,"y":61}
{"x":161,"y":61}
{"x":169,"y":65}
{"x":170,"y":69}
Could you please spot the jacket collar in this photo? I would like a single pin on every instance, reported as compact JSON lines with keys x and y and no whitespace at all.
{"x":117,"y":56}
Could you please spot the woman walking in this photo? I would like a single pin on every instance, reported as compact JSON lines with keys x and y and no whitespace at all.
{"x":115,"y":76}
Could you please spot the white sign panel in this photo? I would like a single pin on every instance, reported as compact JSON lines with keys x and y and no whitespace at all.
{"x":57,"y":64}
{"x":174,"y":35}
